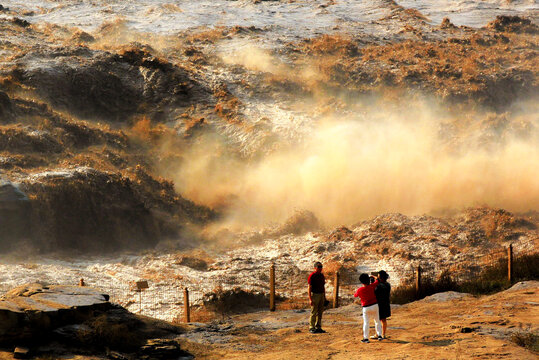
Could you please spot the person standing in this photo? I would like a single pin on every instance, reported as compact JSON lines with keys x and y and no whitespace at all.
{"x":382,"y":292}
{"x":370,"y":306}
{"x":317,"y":298}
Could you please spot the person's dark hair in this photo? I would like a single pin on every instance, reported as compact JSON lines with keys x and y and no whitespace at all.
{"x":364,"y":278}
{"x":383,"y":275}
{"x":317,"y":264}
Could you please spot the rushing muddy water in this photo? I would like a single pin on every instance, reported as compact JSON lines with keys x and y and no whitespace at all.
{"x":469,"y":12}
{"x":298,"y":19}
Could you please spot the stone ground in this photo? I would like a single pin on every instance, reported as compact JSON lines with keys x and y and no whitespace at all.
{"x":444,"y":326}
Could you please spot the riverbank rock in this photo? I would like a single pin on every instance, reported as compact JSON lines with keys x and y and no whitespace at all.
{"x":32,"y":309}
{"x":60,"y":319}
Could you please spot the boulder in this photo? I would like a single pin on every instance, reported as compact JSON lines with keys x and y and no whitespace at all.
{"x":162,"y":349}
{"x":21,"y":353}
{"x":33,"y":309}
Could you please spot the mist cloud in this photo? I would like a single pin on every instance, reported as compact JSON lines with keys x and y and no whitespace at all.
{"x":411,"y":159}
{"x":350,"y":170}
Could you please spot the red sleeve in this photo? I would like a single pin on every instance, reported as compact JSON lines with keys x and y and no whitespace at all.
{"x":309,"y":279}
{"x":357,"y":292}
{"x":375,"y":283}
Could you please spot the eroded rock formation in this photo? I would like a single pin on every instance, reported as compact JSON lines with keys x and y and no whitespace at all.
{"x":80,"y":320}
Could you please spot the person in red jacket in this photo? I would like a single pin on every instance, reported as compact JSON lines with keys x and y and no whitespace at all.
{"x":370,"y":306}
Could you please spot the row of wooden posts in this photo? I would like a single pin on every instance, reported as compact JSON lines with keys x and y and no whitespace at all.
{"x":336,"y":281}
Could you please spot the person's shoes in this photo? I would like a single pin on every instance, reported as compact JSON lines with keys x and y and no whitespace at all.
{"x":365,"y":341}
{"x":312,"y":331}
{"x":380,"y":338}
{"x":320,"y":331}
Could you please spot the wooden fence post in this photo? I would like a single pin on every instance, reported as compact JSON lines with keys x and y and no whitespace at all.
{"x":510,"y":263}
{"x":272,"y":287}
{"x":336,"y":291}
{"x":418,"y":280}
{"x":186,"y":308}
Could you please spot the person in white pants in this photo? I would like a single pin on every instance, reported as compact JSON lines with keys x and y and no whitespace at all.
{"x":371,"y":312}
{"x":370,"y":306}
